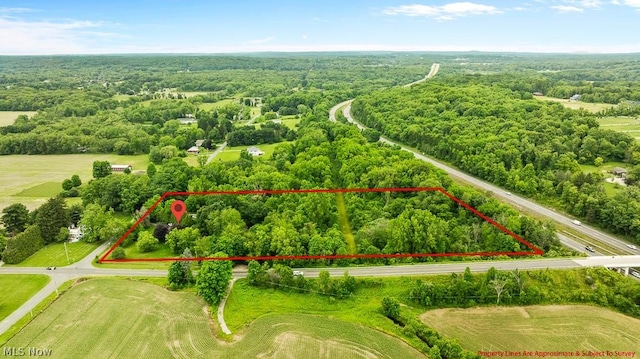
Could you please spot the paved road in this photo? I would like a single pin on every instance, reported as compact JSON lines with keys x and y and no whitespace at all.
{"x":529,"y":205}
{"x":432,"y":72}
{"x":216,"y":152}
{"x":63,"y":274}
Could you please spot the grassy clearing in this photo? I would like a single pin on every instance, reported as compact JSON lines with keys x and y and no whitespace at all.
{"x":291,"y":122}
{"x":21,"y":287}
{"x":43,"y":190}
{"x":122,"y":318}
{"x":8,"y":117}
{"x":132,"y":252}
{"x":54,"y":255}
{"x":592,"y":107}
{"x":30,"y":179}
{"x":212,"y":105}
{"x":247,"y":303}
{"x":606,"y":167}
{"x":629,"y":125}
{"x":233,"y":153}
{"x":565,"y":327}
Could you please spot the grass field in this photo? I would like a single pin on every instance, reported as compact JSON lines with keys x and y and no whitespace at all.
{"x":212,"y":105}
{"x":54,"y":255}
{"x":32,"y":179}
{"x":291,"y":122}
{"x":233,"y":153}
{"x":132,"y":252}
{"x":118,"y":318}
{"x":629,"y":125}
{"x":17,"y":289}
{"x":548,"y":328}
{"x":8,"y":117}
{"x":592,"y":107}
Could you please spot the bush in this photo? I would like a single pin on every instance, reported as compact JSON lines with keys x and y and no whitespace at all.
{"x":118,"y":253}
{"x":146,"y":242}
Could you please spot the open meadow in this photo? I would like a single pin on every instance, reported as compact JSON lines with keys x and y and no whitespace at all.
{"x":157,"y":323}
{"x":592,"y":107}
{"x":32,"y":179}
{"x":54,"y":255}
{"x":233,"y":153}
{"x":22,"y":287}
{"x":545,"y":328}
{"x":8,"y":117}
{"x":629,"y":125}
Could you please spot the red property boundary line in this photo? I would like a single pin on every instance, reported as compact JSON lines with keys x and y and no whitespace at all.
{"x":535,"y":250}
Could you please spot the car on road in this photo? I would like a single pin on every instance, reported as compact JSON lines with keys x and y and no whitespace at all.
{"x":590,"y":249}
{"x":508,"y":193}
{"x":576,"y":222}
{"x":50,"y":268}
{"x":631,"y":246}
{"x":297,"y":273}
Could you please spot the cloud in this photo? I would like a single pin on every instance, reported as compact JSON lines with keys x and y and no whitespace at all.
{"x":19,"y":36}
{"x":567,"y":8}
{"x":260,"y":41}
{"x":443,"y":12}
{"x":14,"y":10}
{"x":632,"y":3}
{"x":591,"y":4}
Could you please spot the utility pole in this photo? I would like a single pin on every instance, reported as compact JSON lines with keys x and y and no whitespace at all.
{"x":67,"y":253}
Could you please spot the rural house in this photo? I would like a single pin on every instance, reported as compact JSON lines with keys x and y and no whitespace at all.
{"x":619,"y":172}
{"x":255,"y":151}
{"x":120,"y":168}
{"x":194,"y":150}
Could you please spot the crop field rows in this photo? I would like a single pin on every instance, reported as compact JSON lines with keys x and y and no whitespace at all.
{"x":150,"y":326}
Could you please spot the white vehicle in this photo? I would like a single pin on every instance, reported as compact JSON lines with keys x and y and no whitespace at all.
{"x":298,"y":273}
{"x":508,"y":193}
{"x":631,"y":246}
{"x":576,"y":222}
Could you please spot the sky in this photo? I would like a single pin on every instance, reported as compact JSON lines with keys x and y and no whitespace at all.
{"x":35,"y":27}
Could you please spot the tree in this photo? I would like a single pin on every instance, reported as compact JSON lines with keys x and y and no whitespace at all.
{"x":75,"y":179}
{"x":390,"y":308}
{"x":160,"y":232}
{"x":101,"y":169}
{"x":179,"y":274}
{"x":146,"y":242}
{"x":598,"y":161}
{"x":324,"y":282}
{"x":498,"y":285}
{"x":213,"y":279}
{"x":67,"y":184}
{"x":15,"y":218}
{"x":151,"y":170}
{"x":52,"y":216}
{"x":118,"y":253}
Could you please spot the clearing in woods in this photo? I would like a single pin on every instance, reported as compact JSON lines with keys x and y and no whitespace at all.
{"x":118,"y":318}
{"x":8,"y":117}
{"x":591,"y":107}
{"x":32,"y":179}
{"x":548,"y":328}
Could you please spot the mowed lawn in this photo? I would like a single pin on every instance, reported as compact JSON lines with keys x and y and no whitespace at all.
{"x":591,"y":107}
{"x":32,"y":179}
{"x":211,"y":105}
{"x":17,"y":289}
{"x":548,"y":328}
{"x":54,"y":255}
{"x":629,"y":125}
{"x":233,"y":153}
{"x":8,"y":117}
{"x":118,"y":318}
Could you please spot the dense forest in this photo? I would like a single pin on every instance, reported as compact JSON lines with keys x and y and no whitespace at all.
{"x":326,"y":155}
{"x":486,"y":127}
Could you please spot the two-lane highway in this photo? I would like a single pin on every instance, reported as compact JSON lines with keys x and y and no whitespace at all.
{"x":619,"y":245}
